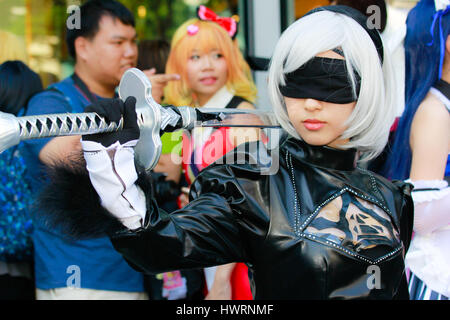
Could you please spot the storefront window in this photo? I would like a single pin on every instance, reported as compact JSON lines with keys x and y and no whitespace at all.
{"x":41,"y":25}
{"x":302,"y":7}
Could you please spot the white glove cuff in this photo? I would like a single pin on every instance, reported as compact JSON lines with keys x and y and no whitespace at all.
{"x":429,"y":190}
{"x":113,"y":175}
{"x":431,"y":203}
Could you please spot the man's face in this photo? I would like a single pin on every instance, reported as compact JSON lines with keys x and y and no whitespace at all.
{"x":111,"y":51}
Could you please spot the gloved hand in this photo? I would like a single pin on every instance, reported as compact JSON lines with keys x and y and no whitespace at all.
{"x":112,"y":110}
{"x":110,"y":162}
{"x":165,"y":190}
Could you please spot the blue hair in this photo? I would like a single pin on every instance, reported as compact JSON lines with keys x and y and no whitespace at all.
{"x":426,"y":34}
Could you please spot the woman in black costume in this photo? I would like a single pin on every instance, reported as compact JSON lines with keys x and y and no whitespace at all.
{"x":318,"y":227}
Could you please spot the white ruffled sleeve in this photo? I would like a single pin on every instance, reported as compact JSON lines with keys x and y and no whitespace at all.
{"x":113,"y":175}
{"x":431,"y":205}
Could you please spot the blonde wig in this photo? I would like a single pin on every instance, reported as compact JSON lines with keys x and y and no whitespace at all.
{"x":208,"y":37}
{"x":12,"y":47}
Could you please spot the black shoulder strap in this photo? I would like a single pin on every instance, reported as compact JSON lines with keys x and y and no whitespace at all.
{"x":235,"y":102}
{"x":443,"y":87}
{"x":82,"y":86}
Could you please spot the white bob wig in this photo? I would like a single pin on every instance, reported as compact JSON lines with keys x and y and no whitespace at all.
{"x":374,"y":113}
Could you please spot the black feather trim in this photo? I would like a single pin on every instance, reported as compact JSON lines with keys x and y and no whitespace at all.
{"x":69,"y":203}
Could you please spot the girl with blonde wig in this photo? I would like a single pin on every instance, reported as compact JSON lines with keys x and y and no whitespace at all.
{"x":206,"y":55}
{"x":208,"y":36}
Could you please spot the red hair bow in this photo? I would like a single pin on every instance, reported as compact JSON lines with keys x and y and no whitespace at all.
{"x":229,"y":24}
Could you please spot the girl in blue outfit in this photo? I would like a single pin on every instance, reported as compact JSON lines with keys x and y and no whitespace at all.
{"x":421,"y":147}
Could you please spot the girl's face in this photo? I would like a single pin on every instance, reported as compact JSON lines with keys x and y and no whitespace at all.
{"x":206,"y":73}
{"x":317,"y":122}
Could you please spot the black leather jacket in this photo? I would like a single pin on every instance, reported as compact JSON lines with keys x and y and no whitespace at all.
{"x":317,"y":228}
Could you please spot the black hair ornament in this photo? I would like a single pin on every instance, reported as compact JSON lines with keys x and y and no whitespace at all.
{"x":362,"y":21}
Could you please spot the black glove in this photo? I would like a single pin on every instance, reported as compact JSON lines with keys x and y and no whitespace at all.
{"x":112,"y":110}
{"x":165,"y":190}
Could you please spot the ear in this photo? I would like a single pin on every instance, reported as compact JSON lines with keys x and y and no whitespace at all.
{"x":82,"y":48}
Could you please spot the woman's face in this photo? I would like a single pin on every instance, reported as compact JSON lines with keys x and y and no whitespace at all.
{"x":206,"y":73}
{"x":317,"y":122}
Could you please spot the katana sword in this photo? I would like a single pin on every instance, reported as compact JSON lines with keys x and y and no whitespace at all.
{"x":153,"y":119}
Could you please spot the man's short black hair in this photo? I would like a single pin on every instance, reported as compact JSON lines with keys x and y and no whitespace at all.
{"x":91,"y":13}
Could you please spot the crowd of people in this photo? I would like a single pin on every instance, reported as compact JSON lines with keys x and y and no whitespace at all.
{"x":362,"y":178}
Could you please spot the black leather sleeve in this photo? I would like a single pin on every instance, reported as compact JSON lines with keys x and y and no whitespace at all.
{"x":406,"y":212}
{"x":225,"y":215}
{"x":204,"y":233}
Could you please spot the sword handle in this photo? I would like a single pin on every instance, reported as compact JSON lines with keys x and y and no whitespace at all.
{"x":64,"y":124}
{"x":16,"y":129}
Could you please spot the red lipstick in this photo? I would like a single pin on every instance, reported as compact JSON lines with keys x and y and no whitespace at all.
{"x":313,"y":124}
{"x":208,"y":80}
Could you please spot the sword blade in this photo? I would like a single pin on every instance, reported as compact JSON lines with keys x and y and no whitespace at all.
{"x":243,"y":118}
{"x":66,"y":124}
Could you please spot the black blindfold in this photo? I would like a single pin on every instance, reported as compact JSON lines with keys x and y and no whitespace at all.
{"x":323,"y":79}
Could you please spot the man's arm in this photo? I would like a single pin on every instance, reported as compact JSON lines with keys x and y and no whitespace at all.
{"x":59,"y":148}
{"x":51,"y":150}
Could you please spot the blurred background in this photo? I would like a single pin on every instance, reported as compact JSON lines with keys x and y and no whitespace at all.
{"x":41,"y":23}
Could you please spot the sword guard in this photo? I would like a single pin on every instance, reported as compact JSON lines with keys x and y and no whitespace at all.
{"x":153,"y":118}
{"x":136,"y":84}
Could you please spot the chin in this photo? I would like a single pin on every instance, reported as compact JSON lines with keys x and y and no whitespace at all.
{"x":120,"y":73}
{"x":315,"y":141}
{"x":113,"y":82}
{"x":317,"y":144}
{"x":211,"y":90}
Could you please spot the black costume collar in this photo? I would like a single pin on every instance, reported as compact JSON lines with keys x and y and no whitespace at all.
{"x":322,"y":156}
{"x":444,"y":87}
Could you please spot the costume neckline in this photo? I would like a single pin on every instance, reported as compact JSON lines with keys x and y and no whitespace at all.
{"x":220,"y":99}
{"x":323,"y":156}
{"x":441,"y":90}
{"x":444,"y":87}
